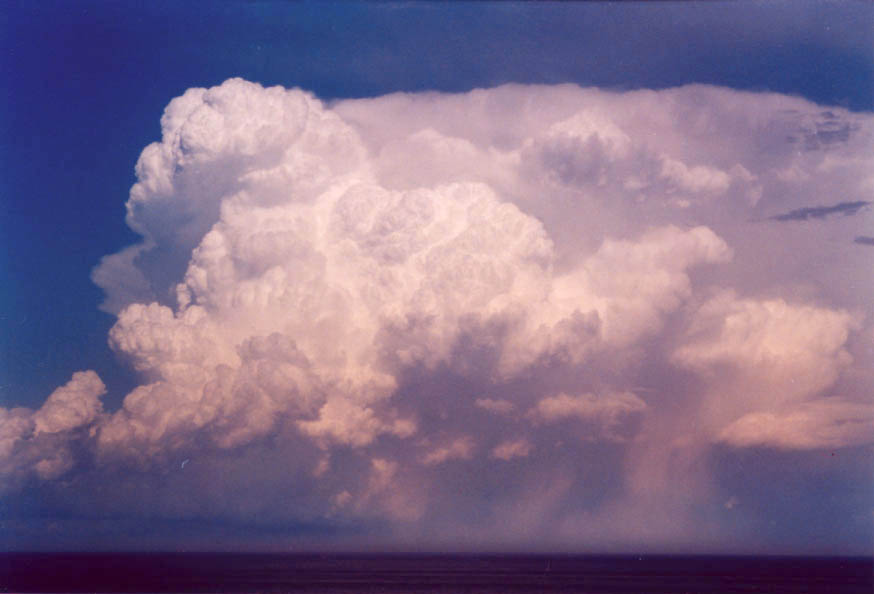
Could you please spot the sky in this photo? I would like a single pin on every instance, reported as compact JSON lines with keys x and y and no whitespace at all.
{"x":584,"y":277}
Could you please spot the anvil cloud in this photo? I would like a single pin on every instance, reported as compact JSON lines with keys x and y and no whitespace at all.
{"x":419,"y":296}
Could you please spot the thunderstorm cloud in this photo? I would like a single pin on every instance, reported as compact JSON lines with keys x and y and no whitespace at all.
{"x":426,"y":307}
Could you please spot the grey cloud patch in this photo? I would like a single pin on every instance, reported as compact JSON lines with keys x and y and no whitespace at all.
{"x":864,"y":240}
{"x":821,"y":212}
{"x":820,"y":131}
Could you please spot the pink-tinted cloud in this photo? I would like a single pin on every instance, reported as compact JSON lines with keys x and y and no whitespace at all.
{"x":400,"y":295}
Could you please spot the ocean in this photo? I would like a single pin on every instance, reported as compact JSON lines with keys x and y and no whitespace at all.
{"x":431,"y":574}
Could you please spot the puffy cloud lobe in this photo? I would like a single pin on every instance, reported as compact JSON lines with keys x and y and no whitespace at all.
{"x":767,"y":362}
{"x":346,"y":422}
{"x":73,"y":405}
{"x":15,"y":424}
{"x":788,"y":351}
{"x":461,"y":448}
{"x":700,"y":178}
{"x":507,"y":450}
{"x":581,"y":149}
{"x":606,"y":411}
{"x":279,"y":144}
{"x":616,"y":297}
{"x":381,"y":260}
{"x":39,"y":441}
{"x":635,"y":282}
{"x":321,"y":274}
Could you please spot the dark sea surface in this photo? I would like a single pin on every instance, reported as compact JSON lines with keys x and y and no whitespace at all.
{"x":421,"y":574}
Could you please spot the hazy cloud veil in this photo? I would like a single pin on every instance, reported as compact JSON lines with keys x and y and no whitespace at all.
{"x":530,"y":310}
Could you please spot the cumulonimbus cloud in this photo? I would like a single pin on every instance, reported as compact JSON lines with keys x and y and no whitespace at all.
{"x":302,"y":261}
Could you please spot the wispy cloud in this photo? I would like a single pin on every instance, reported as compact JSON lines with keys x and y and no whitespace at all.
{"x":821,"y":212}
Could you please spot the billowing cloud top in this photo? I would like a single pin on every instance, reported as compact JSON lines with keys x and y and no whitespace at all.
{"x":397,"y":289}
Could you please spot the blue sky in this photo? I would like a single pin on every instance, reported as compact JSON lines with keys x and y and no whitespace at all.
{"x":86,"y":84}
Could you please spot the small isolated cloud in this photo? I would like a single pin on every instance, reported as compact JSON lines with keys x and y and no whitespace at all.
{"x":821,"y":212}
{"x":700,"y":178}
{"x":864,"y":240}
{"x":495,"y":405}
{"x":507,"y":450}
{"x":458,"y":449}
{"x":822,"y":423}
{"x":606,"y":412}
{"x":588,"y":406}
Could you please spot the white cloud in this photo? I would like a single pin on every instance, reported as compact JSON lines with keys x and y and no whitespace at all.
{"x":458,"y":449}
{"x":635,"y":282}
{"x":15,"y":425}
{"x":73,"y":405}
{"x":700,"y":178}
{"x":346,"y":422}
{"x":392,"y":277}
{"x":616,"y":297}
{"x":769,"y":369}
{"x":39,"y":441}
{"x":606,"y":411}
{"x":602,"y":416}
{"x":344,"y":280}
{"x":804,"y":340}
{"x":763,"y":354}
{"x":822,"y":423}
{"x":507,"y":450}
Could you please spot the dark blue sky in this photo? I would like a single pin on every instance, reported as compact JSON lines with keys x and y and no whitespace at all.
{"x":86,"y":84}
